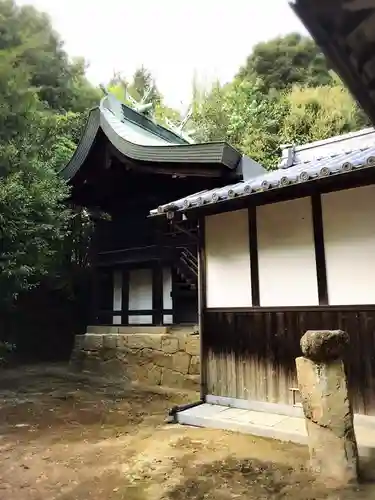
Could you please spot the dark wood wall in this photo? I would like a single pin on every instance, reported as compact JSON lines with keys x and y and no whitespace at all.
{"x":250,"y":354}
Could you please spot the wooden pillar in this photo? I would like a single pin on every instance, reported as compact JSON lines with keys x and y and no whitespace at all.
{"x":157,"y":294}
{"x":125,"y":297}
{"x":94,"y":297}
{"x":320,"y":258}
{"x":202,"y":306}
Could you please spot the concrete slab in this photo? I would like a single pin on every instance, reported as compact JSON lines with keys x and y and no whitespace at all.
{"x":205,"y":410}
{"x":264,"y":419}
{"x":269,"y":425}
{"x":233,"y":413}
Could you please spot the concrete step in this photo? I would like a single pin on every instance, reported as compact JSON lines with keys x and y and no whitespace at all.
{"x":183,"y":329}
{"x":125,"y":330}
{"x":161,"y":330}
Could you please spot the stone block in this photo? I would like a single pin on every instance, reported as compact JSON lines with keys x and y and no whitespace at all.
{"x":324,"y":345}
{"x":181,"y":362}
{"x":163,"y":359}
{"x":147,"y":374}
{"x":192,"y":345}
{"x":106,"y":354}
{"x":79,"y":342}
{"x":93,"y":342}
{"x":194,"y":368}
{"x":113,"y":367}
{"x":170,"y":344}
{"x":92,"y":363}
{"x":172,"y":379}
{"x":144,"y":340}
{"x":176,"y":380}
{"x":192,"y":382}
{"x":102,"y":330}
{"x":154,"y":375}
{"x":124,"y":357}
{"x":110,"y":341}
{"x":146,"y":355}
{"x":329,"y":420}
{"x":142,"y":330}
{"x":122,"y":341}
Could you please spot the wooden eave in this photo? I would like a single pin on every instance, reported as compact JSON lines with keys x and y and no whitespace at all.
{"x":345,"y":31}
{"x":201,"y":160}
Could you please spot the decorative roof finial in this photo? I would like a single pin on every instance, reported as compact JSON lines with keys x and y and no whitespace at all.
{"x":103,"y":88}
{"x":143,"y":106}
{"x":179,"y":129}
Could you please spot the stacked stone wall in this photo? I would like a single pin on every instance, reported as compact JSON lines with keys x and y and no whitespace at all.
{"x":170,"y":360}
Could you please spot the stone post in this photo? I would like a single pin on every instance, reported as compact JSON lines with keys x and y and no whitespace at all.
{"x":328,"y":413}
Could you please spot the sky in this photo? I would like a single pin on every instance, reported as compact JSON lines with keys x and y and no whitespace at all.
{"x":176,"y":40}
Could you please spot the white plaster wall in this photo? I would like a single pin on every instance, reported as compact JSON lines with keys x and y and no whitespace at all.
{"x":140,"y":294}
{"x":117,"y":320}
{"x":117,"y":296}
{"x":349,"y":240}
{"x":140,"y":320}
{"x":228,"y":260}
{"x":286,"y":253}
{"x":167,"y":319}
{"x":167,"y":298}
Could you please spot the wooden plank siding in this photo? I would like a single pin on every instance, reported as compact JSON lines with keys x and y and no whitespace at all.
{"x":250,"y":354}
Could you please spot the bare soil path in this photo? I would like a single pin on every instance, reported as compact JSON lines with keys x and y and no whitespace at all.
{"x":68,"y":437}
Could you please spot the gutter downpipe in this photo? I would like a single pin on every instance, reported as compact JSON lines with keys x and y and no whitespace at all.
{"x":172,"y":413}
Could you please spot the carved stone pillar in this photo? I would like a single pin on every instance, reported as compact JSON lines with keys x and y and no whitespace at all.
{"x":329,"y":418}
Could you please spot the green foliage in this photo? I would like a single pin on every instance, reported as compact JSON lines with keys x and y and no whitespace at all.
{"x":285,"y":61}
{"x":319,"y":113}
{"x":59,"y":83}
{"x":141,"y":82}
{"x":42,"y":96}
{"x":32,"y":215}
{"x":263,"y":107}
{"x":242,"y":115}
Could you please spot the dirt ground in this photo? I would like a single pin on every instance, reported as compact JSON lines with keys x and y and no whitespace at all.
{"x":69,"y":437}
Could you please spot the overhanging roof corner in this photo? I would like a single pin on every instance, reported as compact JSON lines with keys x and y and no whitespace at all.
{"x":249,"y":168}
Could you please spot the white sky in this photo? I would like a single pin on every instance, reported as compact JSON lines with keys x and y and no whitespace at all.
{"x":174,"y":39}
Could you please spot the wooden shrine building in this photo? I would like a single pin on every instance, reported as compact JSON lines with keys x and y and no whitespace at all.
{"x":145,"y":270}
{"x":284,"y":252}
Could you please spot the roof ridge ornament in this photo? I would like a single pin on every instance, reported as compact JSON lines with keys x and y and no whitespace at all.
{"x":179,"y":129}
{"x":143,"y":107}
{"x":287,"y":155}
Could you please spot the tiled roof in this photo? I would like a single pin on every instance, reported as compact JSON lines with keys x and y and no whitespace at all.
{"x":345,"y":143}
{"x":136,"y":137}
{"x":323,"y":163}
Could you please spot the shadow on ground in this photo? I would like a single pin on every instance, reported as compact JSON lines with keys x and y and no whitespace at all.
{"x":69,"y":437}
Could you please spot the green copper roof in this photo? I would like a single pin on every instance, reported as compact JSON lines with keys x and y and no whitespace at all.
{"x":141,"y":140}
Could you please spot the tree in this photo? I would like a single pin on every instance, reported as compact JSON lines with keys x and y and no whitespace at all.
{"x":59,"y":83}
{"x":242,"y":115}
{"x":211,"y":113}
{"x":257,"y":124}
{"x":319,"y":113}
{"x":142,"y":81}
{"x":285,"y":61}
{"x":33,"y":218}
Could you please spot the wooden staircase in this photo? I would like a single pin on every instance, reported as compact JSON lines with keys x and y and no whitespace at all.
{"x":187,"y":268}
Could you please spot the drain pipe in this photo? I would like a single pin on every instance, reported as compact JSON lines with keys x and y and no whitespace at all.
{"x":172,"y":414}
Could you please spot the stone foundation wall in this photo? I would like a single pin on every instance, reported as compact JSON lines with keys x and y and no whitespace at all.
{"x":170,"y":360}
